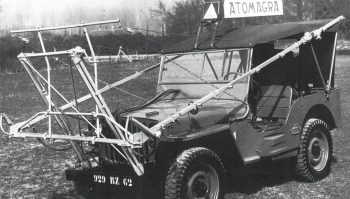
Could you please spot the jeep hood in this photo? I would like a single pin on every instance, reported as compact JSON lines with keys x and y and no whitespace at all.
{"x":212,"y":112}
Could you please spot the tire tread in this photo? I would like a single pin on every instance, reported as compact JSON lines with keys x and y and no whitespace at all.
{"x":177,"y":170}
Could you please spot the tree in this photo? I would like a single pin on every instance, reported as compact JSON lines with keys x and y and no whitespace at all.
{"x":185,"y":16}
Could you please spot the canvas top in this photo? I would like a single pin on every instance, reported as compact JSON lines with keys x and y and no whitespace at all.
{"x":248,"y":36}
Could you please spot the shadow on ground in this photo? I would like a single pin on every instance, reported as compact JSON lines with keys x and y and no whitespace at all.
{"x":244,"y":180}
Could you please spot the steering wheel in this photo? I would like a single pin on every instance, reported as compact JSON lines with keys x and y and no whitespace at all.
{"x":232,"y":73}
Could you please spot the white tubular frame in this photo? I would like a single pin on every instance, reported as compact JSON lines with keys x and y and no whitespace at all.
{"x":101,"y":108}
{"x":121,"y":133}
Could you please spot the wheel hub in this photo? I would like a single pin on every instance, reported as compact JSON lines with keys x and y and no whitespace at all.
{"x":200,"y":187}
{"x":318,"y":151}
{"x":203,"y":184}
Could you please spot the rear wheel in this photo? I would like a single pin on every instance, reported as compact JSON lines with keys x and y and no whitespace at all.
{"x":197,"y":173}
{"x":315,"y":151}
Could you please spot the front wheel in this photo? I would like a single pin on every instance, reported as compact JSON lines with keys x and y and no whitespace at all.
{"x":197,"y":173}
{"x":315,"y":151}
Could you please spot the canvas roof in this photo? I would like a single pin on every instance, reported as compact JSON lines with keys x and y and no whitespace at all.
{"x":248,"y":36}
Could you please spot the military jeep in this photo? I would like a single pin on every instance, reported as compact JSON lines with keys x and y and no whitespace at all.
{"x":264,"y":92}
{"x":287,"y":108}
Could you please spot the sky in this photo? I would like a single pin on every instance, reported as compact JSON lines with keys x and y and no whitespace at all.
{"x":39,"y":13}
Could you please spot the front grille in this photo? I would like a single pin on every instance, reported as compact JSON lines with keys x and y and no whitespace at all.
{"x":110,"y":156}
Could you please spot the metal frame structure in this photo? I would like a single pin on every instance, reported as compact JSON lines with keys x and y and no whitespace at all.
{"x":124,"y":139}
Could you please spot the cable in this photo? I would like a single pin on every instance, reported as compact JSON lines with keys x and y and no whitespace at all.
{"x":152,"y":101}
{"x":75,"y":95}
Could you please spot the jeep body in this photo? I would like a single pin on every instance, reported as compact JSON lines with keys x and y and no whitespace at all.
{"x":261,"y":117}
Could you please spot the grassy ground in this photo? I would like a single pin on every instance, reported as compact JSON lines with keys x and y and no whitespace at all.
{"x":28,"y":170}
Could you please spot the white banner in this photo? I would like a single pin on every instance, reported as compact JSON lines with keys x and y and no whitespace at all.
{"x":252,"y":8}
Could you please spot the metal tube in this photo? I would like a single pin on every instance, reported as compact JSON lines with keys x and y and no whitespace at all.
{"x":198,"y":33}
{"x":26,"y":61}
{"x":97,"y":130}
{"x":162,"y":59}
{"x":144,"y":128}
{"x":333,"y":63}
{"x":66,"y":27}
{"x":211,"y":66}
{"x":29,"y":55}
{"x":48,"y":68}
{"x":72,"y":138}
{"x":104,"y":89}
{"x":71,"y":113}
{"x":60,"y":120}
{"x":134,"y":162}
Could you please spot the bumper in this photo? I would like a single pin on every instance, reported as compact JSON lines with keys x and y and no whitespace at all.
{"x":112,"y":181}
{"x":107,"y":181}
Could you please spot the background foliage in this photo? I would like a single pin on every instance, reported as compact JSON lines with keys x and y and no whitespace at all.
{"x":179,"y":22}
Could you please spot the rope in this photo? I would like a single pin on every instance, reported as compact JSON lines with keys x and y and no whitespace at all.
{"x":122,"y":90}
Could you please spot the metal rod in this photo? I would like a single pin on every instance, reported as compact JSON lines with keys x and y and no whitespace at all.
{"x":162,"y":59}
{"x":66,"y":27}
{"x":198,"y":34}
{"x":48,"y":68}
{"x":134,"y":162}
{"x":30,"y":55}
{"x":72,"y":138}
{"x":330,"y":79}
{"x":70,"y":113}
{"x":230,"y":62}
{"x":211,"y":66}
{"x":26,"y":61}
{"x":60,"y":120}
{"x":215,"y":32}
{"x":104,"y":89}
{"x":97,"y":130}
{"x":144,"y":128}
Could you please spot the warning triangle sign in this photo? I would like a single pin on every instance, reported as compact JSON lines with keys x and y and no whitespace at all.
{"x":211,"y":12}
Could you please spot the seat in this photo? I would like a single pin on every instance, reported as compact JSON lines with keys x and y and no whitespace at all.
{"x":273,"y":107}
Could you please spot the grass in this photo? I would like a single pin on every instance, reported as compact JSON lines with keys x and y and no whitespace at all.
{"x":28,"y":170}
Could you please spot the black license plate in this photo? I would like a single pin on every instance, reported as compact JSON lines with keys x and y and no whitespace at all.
{"x":113,"y":180}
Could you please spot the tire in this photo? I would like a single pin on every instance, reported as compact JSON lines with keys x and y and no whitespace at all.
{"x":315,"y":152}
{"x":196,"y":173}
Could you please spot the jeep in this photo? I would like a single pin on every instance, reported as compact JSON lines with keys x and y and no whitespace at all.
{"x":247,"y":94}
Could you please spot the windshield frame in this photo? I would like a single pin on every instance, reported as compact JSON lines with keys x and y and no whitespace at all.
{"x":162,"y":64}
{"x":161,"y":86}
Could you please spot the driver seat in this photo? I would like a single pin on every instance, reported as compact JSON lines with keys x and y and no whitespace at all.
{"x":273,"y":107}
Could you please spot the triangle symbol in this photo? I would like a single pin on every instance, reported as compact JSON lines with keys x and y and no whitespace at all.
{"x":211,"y":13}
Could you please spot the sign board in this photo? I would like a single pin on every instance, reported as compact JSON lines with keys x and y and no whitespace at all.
{"x":252,"y":8}
{"x":211,"y":10}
